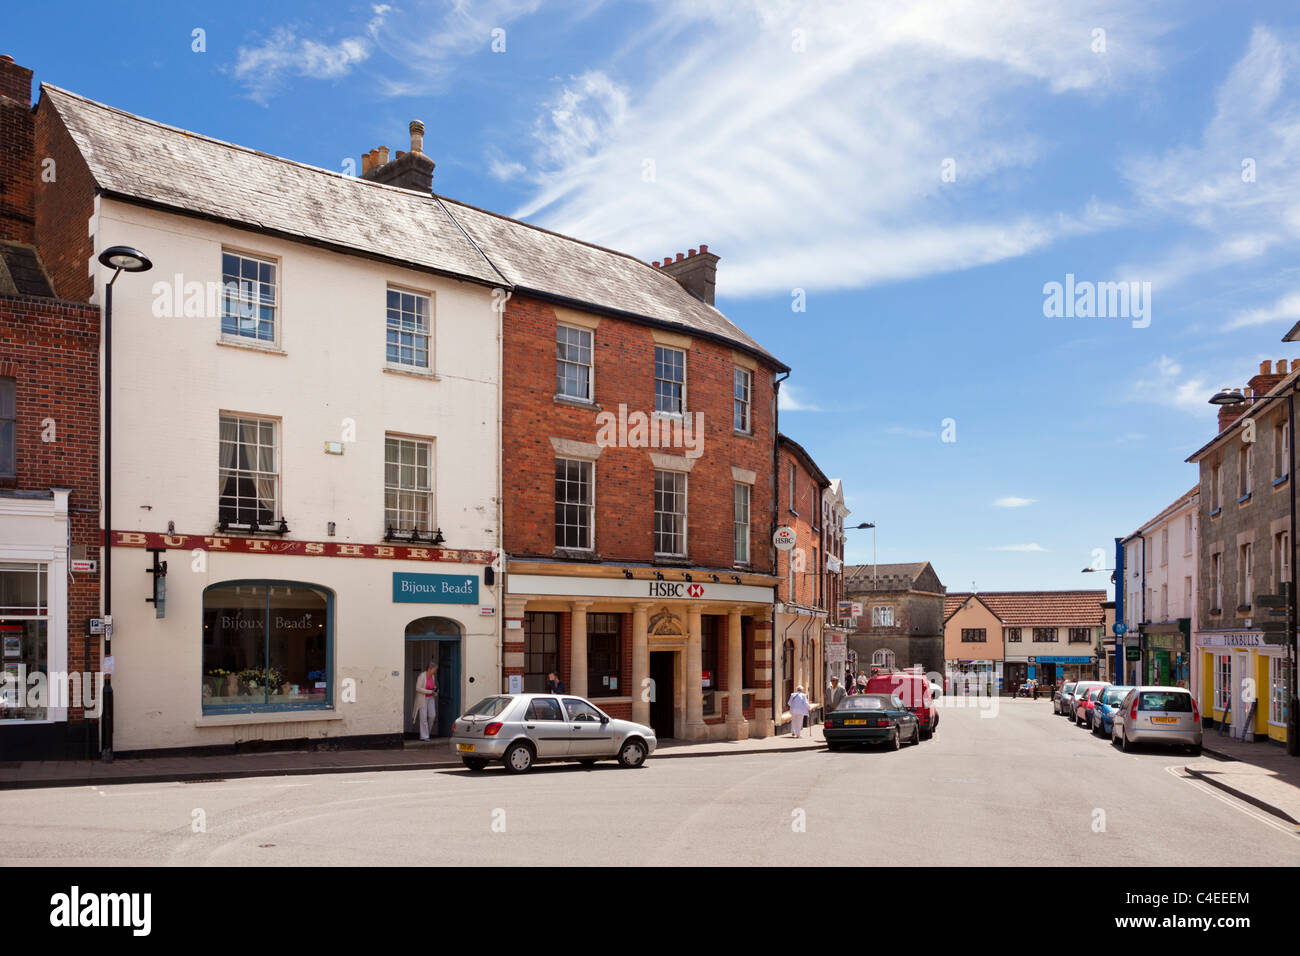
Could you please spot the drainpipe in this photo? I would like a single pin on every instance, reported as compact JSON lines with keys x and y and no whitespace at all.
{"x":502,"y":685}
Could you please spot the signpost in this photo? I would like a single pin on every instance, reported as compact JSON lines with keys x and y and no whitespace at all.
{"x":1274,"y":624}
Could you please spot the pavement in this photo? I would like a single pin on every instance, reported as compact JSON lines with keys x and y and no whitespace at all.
{"x":1262,"y":774}
{"x":970,"y":795}
{"x":416,"y":755}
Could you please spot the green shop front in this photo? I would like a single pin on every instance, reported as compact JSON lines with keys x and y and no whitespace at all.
{"x":1166,"y":653}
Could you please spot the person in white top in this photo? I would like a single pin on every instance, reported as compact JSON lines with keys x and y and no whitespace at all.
{"x":799,"y":711}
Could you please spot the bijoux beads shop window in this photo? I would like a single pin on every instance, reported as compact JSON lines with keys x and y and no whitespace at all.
{"x":266,"y":646}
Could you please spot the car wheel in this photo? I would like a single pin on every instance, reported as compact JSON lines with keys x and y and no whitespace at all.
{"x":895,"y":742}
{"x":474,"y":763}
{"x":1196,"y":750}
{"x":519,"y":758}
{"x":1124,"y":745}
{"x":916,"y":734}
{"x":832,"y":745}
{"x":632,"y":753}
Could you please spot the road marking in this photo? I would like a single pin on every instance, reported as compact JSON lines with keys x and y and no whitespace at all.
{"x":1233,"y":802}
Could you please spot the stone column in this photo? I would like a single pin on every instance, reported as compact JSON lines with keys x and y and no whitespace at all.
{"x":696,"y":728}
{"x":737,"y":725}
{"x":640,"y":664}
{"x":578,"y":649}
{"x":763,"y":725}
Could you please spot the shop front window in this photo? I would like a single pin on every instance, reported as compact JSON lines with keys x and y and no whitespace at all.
{"x":24,"y":617}
{"x":604,"y":655}
{"x":266,"y":646}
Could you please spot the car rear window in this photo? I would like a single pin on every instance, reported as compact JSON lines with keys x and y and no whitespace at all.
{"x":865,"y":702}
{"x":1114,"y":695}
{"x":1067,"y":688}
{"x":1180,"y":702}
{"x":489,"y":707}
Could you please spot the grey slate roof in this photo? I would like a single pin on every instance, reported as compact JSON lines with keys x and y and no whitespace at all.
{"x":890,"y":577}
{"x":21,"y":271}
{"x":138,"y":158}
{"x":544,"y":261}
{"x":134,"y":158}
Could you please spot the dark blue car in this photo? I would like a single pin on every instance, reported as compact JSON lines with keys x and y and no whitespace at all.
{"x":1103,"y":713}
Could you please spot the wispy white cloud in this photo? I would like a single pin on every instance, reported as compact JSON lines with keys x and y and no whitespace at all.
{"x":1011,"y":501}
{"x":1287,"y":307}
{"x":789,"y":400}
{"x":1165,"y":383}
{"x":740,"y":129}
{"x":1019,"y":547}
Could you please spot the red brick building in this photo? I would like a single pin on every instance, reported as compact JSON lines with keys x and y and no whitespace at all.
{"x":638,"y":440}
{"x":49,"y":471}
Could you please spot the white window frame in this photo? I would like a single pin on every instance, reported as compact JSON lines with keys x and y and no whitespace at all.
{"x":562,"y":362}
{"x":239,"y":418}
{"x":1222,"y":669}
{"x":743,"y":404}
{"x":426,"y":335}
{"x":400,"y":490}
{"x":882,"y":615}
{"x":239,"y":338}
{"x":684,"y":514}
{"x":1281,"y":451}
{"x":679,"y":412}
{"x":739,"y":537}
{"x":1187,"y":535}
{"x":1246,"y":571}
{"x":883,"y":657}
{"x":1278,"y":667}
{"x":1216,"y":579}
{"x":1246,"y":469}
{"x":587,"y":468}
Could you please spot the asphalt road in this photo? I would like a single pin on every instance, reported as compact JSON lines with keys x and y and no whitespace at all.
{"x":1023,"y":787}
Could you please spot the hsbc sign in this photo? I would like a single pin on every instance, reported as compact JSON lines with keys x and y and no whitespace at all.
{"x":675,"y":589}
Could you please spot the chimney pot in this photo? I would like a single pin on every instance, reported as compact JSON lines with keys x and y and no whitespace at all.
{"x":1265,"y":367}
{"x":680,"y":257}
{"x":6,"y":57}
{"x":1295,"y":365}
{"x":374,"y":158}
{"x":1281,"y":367}
{"x":365,"y":163}
{"x":401,"y":153}
{"x":383,"y":155}
{"x":703,"y":247}
{"x":691,"y":252}
{"x":655,"y":263}
{"x":417,"y":136}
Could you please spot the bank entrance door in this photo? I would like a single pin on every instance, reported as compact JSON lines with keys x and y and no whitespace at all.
{"x":663,"y":675}
{"x":437,"y":640}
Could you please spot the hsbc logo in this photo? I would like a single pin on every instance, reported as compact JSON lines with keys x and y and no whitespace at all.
{"x":674,"y":589}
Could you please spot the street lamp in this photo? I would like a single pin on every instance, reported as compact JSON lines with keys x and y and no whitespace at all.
{"x":1119,"y":645}
{"x":1233,"y":396}
{"x":120,"y":259}
{"x":874,"y":571}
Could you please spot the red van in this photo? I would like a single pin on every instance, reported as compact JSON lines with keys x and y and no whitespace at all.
{"x":914,"y":689}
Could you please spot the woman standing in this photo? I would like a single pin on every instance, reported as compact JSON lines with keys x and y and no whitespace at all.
{"x":799,"y":711}
{"x":426,"y":700}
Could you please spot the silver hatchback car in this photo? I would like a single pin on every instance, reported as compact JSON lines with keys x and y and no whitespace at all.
{"x":1158,"y":715}
{"x":521,"y":729}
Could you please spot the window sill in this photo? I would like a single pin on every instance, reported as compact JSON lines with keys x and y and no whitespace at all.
{"x":1216,"y":512}
{"x":576,"y":554}
{"x":1216,"y":612}
{"x":739,"y":434}
{"x":251,"y":345}
{"x":426,"y":374}
{"x":576,"y":402}
{"x":1278,"y":482}
{"x":1244,"y":498}
{"x":267,"y":717}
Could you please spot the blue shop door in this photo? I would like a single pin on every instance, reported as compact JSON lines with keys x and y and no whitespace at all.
{"x":448,"y":685}
{"x":429,"y":640}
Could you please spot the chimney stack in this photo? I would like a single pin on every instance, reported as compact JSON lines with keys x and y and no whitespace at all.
{"x":412,"y":170}
{"x":1262,"y":383}
{"x":696,"y":270}
{"x":17,"y":153}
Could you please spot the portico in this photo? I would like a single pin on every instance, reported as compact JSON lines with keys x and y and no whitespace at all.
{"x":689,"y":657}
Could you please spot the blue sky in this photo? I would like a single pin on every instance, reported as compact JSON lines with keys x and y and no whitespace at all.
{"x":807,"y":144}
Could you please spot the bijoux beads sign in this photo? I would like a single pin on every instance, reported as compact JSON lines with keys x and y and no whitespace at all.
{"x":411,"y":588}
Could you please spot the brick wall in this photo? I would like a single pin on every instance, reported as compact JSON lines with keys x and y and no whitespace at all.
{"x":804,"y":515}
{"x":63,"y":208}
{"x":17,"y":131}
{"x":51,"y":349}
{"x":623,"y":361}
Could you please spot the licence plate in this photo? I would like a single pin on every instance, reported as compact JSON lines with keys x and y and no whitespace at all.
{"x":855,"y":723}
{"x":465,"y":748}
{"x":1164,"y":720}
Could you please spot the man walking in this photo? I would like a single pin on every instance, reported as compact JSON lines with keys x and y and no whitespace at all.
{"x":835,"y":695}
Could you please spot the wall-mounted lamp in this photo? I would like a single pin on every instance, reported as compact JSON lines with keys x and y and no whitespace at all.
{"x":329,"y":529}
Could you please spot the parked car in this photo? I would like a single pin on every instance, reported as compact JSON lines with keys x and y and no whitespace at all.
{"x":1103,"y":714}
{"x":1081,"y":689}
{"x":1158,"y":715}
{"x":871,"y":719}
{"x":521,"y":729}
{"x":916,"y":693}
{"x":1085,"y":700}
{"x":1061,"y":700}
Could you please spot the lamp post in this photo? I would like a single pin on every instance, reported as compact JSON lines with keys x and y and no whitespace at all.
{"x":120,"y":259}
{"x":1119,"y":644}
{"x":1233,"y":396}
{"x":862,"y":527}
